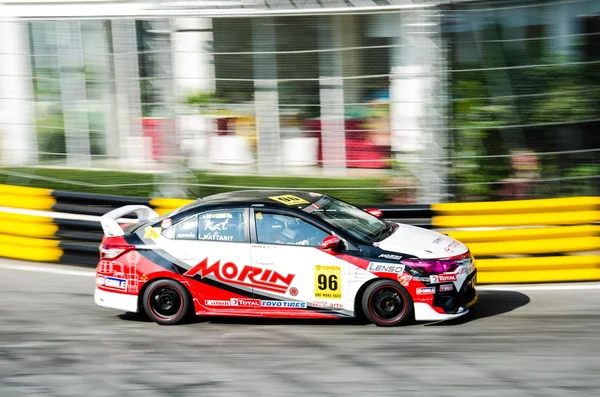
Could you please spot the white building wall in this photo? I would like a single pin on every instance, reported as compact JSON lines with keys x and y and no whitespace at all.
{"x":17,"y":111}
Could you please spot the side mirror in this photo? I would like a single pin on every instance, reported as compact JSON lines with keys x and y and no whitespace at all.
{"x":375,"y":212}
{"x":331,"y":243}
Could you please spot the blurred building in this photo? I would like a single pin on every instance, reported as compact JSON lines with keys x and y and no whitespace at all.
{"x":324,"y":87}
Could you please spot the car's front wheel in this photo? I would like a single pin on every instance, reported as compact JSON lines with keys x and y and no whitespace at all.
{"x":386,"y":303}
{"x":166,"y":302}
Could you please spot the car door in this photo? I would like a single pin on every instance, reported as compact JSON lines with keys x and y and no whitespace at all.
{"x":295,"y":272}
{"x":215,"y":246}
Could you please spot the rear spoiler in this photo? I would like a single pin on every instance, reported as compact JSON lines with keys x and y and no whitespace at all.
{"x":109,"y":223}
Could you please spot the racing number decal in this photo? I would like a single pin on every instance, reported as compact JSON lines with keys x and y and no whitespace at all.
{"x":328,"y":282}
{"x":289,"y":199}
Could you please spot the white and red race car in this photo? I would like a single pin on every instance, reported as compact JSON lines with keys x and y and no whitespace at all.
{"x":285,"y":254}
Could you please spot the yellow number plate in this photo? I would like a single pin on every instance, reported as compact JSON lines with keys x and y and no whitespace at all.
{"x":328,"y":282}
{"x":288,"y":199}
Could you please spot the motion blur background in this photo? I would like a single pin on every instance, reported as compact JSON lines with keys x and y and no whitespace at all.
{"x":375,"y":101}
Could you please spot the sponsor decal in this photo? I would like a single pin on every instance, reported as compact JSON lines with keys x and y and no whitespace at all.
{"x":112,"y":282}
{"x":385,"y":268}
{"x":391,"y":256}
{"x":152,"y":232}
{"x":187,"y":230}
{"x":442,"y":278}
{"x":328,"y":280}
{"x":217,"y":215}
{"x":213,"y":227}
{"x":215,"y":237}
{"x":257,"y":205}
{"x":245,"y":302}
{"x":185,"y":235}
{"x":289,"y":199}
{"x":248,"y":276}
{"x":327,"y":305}
{"x":166,"y":223}
{"x":426,"y":291}
{"x":437,"y":240}
{"x":450,"y":248}
{"x":120,"y":271}
{"x":422,"y":279}
{"x":133,"y":258}
{"x":289,"y":304}
{"x":446,"y":287}
{"x":217,"y":303}
{"x":293,"y":291}
{"x":359,"y":275}
{"x":404,"y":279}
{"x":468,"y":269}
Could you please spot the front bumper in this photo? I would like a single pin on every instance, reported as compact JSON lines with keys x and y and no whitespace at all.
{"x":453,"y":303}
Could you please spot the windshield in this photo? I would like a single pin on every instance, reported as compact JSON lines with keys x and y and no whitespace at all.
{"x":353,"y":220}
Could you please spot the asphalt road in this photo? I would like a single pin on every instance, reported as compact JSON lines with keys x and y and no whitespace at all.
{"x":54,"y":341}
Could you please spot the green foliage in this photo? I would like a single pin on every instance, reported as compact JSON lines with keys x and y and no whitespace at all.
{"x":472,"y":119}
{"x":51,"y":136}
{"x":85,"y":176}
{"x":370,"y":196}
{"x":202,"y":100}
{"x":536,"y":98}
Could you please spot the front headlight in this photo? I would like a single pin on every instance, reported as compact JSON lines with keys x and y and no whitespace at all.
{"x":437,"y":266}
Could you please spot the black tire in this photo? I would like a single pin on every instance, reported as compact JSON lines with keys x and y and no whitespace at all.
{"x":386,"y":303}
{"x":166,"y":302}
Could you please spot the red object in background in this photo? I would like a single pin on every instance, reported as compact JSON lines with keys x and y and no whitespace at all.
{"x":153,"y":129}
{"x":226,"y":126}
{"x":360,"y":152}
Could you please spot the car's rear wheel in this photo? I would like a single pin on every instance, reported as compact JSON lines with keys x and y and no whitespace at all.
{"x":386,"y":303}
{"x":166,"y":302}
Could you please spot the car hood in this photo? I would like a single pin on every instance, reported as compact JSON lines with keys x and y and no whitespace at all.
{"x":422,"y":243}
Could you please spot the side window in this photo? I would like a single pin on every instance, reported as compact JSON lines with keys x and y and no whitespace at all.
{"x":187,"y":230}
{"x":284,"y":229}
{"x":223,"y":225}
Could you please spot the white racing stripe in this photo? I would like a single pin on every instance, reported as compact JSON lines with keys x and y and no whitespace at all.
{"x":48,"y":269}
{"x":512,"y":287}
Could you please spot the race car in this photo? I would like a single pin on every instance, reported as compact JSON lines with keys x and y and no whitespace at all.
{"x":280,"y":254}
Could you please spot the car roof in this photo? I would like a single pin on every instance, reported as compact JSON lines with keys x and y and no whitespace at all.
{"x":277,"y":198}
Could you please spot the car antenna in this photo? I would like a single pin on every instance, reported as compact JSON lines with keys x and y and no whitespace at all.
{"x":193,"y":194}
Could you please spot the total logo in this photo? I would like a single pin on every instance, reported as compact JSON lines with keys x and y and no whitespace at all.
{"x":442,"y":278}
{"x":245,"y":302}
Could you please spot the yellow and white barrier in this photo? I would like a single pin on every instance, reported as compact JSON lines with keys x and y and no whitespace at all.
{"x":521,"y":241}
